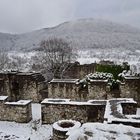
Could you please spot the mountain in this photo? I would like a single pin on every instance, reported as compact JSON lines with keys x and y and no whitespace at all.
{"x":83,"y":33}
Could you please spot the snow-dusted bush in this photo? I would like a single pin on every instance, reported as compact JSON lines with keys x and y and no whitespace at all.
{"x":95,"y":76}
{"x":128,"y":73}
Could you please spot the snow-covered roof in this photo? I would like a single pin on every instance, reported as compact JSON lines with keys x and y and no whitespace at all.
{"x":3,"y":98}
{"x":64,"y":80}
{"x":20,"y":102}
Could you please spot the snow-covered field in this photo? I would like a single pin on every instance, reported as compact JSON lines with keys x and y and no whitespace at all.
{"x":35,"y":131}
{"x":118,"y":56}
{"x":25,"y":60}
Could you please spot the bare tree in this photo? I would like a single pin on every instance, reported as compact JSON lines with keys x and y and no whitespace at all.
{"x":55,"y":56}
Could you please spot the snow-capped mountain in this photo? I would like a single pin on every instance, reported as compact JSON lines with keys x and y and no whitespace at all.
{"x":83,"y":34}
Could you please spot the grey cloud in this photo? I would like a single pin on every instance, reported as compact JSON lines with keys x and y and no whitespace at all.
{"x":27,"y":15}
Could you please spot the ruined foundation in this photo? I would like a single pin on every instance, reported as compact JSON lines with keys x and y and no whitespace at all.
{"x":61,"y":109}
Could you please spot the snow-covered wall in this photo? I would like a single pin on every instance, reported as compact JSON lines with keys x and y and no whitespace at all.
{"x":15,"y":111}
{"x":54,"y":110}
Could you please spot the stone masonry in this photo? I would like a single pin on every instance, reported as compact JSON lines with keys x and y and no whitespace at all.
{"x":69,"y":88}
{"x":98,"y":89}
{"x":131,"y":88}
{"x":19,"y":111}
{"x":63,"y":88}
{"x":22,"y":86}
{"x":78,"y":71}
{"x":59,"y":109}
{"x":122,"y":111}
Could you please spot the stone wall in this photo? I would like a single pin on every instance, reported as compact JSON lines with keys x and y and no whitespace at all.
{"x":76,"y":70}
{"x":122,"y":111}
{"x":131,"y":89}
{"x":129,"y":108}
{"x":54,"y":110}
{"x":15,"y":111}
{"x":18,"y":85}
{"x":3,"y":99}
{"x":97,"y":89}
{"x":61,"y":88}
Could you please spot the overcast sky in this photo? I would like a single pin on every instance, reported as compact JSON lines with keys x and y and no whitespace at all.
{"x":17,"y":16}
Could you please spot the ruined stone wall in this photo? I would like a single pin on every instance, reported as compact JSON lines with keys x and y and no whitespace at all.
{"x":129,"y":108}
{"x":94,"y":90}
{"x":97,"y":90}
{"x":28,"y":89}
{"x":79,"y":71}
{"x":22,"y":86}
{"x":2,"y":108}
{"x":64,"y":90}
{"x":18,"y":113}
{"x":15,"y":111}
{"x":52,"y":112}
{"x":131,"y":89}
{"x":5,"y":88}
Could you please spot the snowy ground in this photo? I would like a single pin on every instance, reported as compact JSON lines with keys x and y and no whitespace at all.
{"x":138,"y":111}
{"x":35,"y":131}
{"x":84,"y":57}
{"x":100,"y":131}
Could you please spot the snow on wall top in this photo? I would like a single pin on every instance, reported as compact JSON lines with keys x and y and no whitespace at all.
{"x":131,"y":77}
{"x":116,"y":114}
{"x":124,"y":100}
{"x":3,"y":98}
{"x":68,"y":102}
{"x":64,"y":81}
{"x":20,"y":102}
{"x":55,"y":101}
{"x":17,"y":72}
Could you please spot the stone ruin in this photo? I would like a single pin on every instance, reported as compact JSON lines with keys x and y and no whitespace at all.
{"x":22,"y":85}
{"x":114,"y":111}
{"x":130,"y":88}
{"x":19,"y":86}
{"x":84,"y":90}
{"x":72,"y":89}
{"x":19,"y":111}
{"x":59,"y":109}
{"x":77,"y":71}
{"x":122,"y":111}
